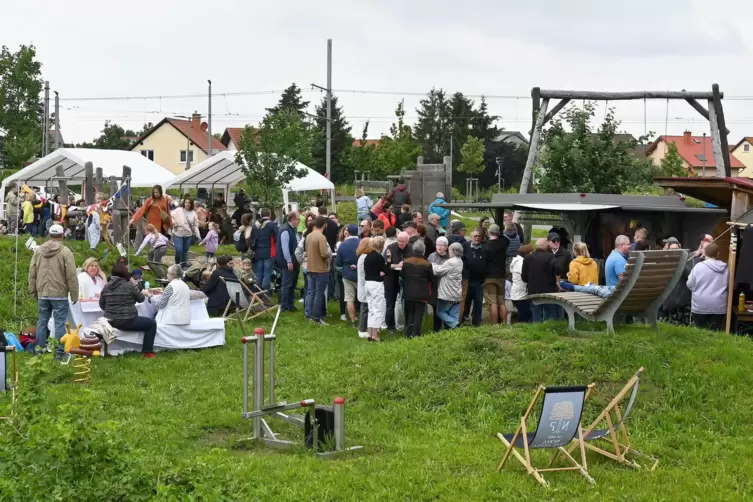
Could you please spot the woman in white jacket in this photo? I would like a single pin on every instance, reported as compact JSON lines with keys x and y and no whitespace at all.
{"x":519,"y":289}
{"x":174,"y":306}
{"x":185,"y":228}
{"x":450,"y":287}
{"x":364,"y":248}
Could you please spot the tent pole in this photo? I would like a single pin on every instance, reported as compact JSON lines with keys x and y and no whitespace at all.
{"x":15,"y":272}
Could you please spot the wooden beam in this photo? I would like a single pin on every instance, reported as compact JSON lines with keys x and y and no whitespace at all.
{"x":703,"y":111}
{"x":533,"y":149}
{"x":716,"y":141}
{"x":89,"y":183}
{"x":722,"y":127}
{"x":555,"y":109}
{"x":620,"y":96}
{"x":740,"y":204}
{"x":98,"y":180}
{"x":536,"y":100}
{"x":62,"y":184}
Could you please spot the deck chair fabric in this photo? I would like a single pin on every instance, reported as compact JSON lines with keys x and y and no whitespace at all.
{"x":650,"y":276}
{"x":558,"y":426}
{"x":615,"y":433}
{"x":249,"y":304}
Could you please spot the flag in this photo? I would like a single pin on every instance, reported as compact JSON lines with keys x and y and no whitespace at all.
{"x":124,"y":189}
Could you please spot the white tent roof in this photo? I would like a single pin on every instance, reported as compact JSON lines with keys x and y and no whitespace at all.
{"x":220,"y":171}
{"x":144,"y":172}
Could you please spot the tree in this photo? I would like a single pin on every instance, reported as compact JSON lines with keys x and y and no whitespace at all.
{"x":434,"y":127}
{"x":483,"y":124}
{"x":365,"y":156}
{"x":148,"y":126}
{"x":20,"y":117}
{"x":672,"y":164}
{"x":582,"y":161}
{"x":291,"y":99}
{"x":342,"y":141}
{"x":399,"y":150}
{"x":473,"y":156}
{"x":270,"y":154}
{"x":113,"y":137}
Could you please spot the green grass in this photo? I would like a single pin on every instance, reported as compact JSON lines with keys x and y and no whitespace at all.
{"x":427,"y":411}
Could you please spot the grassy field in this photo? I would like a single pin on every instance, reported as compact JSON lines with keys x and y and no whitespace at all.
{"x":427,"y":411}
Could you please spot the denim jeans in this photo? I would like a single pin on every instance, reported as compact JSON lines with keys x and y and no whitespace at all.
{"x":475,"y":295}
{"x":263,"y":272}
{"x":316,"y":301}
{"x":363,"y":320}
{"x":545,"y":312}
{"x":182,"y":245}
{"x":31,"y":228}
{"x":448,"y":312}
{"x":524,"y":310}
{"x":51,"y":308}
{"x":287,"y":291}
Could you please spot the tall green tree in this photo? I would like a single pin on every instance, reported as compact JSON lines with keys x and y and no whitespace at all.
{"x":20,"y":117}
{"x":472,"y":153}
{"x":483,"y":124}
{"x":270,"y":154}
{"x":672,"y":164}
{"x":342,"y":141}
{"x":433,"y":129}
{"x":399,"y":150}
{"x":113,"y":137}
{"x":365,"y":156}
{"x":580,"y":161}
{"x":292,"y":99}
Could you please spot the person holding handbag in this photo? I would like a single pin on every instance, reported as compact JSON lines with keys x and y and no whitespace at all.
{"x":156,"y":211}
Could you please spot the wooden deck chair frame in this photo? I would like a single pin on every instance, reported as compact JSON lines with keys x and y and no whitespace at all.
{"x":252,"y":300}
{"x":529,"y":441}
{"x":649,"y":279}
{"x":616,"y":433}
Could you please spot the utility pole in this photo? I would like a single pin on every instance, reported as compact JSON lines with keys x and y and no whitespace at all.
{"x":46,"y":121}
{"x":499,"y":173}
{"x":329,"y":116}
{"x":704,"y":155}
{"x":58,"y":142}
{"x":209,"y":120}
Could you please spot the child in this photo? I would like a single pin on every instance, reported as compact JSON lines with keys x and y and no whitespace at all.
{"x":158,"y":242}
{"x":137,"y":278}
{"x":211,"y":241}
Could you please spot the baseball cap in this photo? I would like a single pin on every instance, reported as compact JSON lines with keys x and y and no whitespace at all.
{"x":56,"y":230}
{"x":137,"y":272}
{"x":409,"y":224}
{"x":553,"y":236}
{"x":352,"y":229}
{"x":494,"y":229}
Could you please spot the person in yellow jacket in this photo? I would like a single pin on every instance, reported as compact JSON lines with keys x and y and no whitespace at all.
{"x":583,"y":269}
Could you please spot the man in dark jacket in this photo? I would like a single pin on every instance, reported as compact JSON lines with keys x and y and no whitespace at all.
{"x":394,"y":255}
{"x":346,"y":263}
{"x":496,"y":273}
{"x":400,"y":195}
{"x":476,"y":276}
{"x":217,"y":296}
{"x":418,"y":277}
{"x":458,"y":235}
{"x":287,"y":240}
{"x":263,"y":245}
{"x":562,"y":257}
{"x":539,"y":273}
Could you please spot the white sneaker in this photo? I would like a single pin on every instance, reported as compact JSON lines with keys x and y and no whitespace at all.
{"x":300,"y":300}
{"x":343,"y":317}
{"x":363,"y":334}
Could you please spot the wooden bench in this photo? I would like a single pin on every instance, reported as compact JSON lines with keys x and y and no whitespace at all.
{"x":650,"y":276}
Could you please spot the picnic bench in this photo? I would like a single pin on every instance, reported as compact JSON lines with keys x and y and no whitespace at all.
{"x":650,"y":276}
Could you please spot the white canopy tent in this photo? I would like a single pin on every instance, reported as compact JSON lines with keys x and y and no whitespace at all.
{"x":144,"y":172}
{"x":220,"y":171}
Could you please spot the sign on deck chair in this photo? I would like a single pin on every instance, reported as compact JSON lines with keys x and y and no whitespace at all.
{"x":615,"y":435}
{"x":248,"y":304}
{"x":559,"y":424}
{"x":649,"y":278}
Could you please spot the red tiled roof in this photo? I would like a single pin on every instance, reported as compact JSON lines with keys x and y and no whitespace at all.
{"x":232,"y":134}
{"x":749,"y":139}
{"x":368,"y":142}
{"x":692,"y":149}
{"x":195,"y":134}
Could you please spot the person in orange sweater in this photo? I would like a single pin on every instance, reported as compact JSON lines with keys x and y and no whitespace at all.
{"x":156,"y":211}
{"x":583,"y":268}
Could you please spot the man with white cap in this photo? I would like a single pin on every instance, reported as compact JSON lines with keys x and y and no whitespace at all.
{"x":52,"y":279}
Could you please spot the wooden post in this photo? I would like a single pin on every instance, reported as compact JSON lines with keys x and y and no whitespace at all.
{"x":116,"y":231}
{"x":97,"y":181}
{"x":704,"y":112}
{"x":125,"y":206}
{"x":89,"y":183}
{"x":549,"y":116}
{"x":732,"y":263}
{"x":533,"y":149}
{"x":722,"y":127}
{"x":62,"y":184}
{"x":536,"y":101}
{"x":448,"y":179}
{"x":740,"y":204}
{"x":716,"y":142}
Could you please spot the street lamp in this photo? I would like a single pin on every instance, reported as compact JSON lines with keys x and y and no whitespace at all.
{"x":500,"y":181}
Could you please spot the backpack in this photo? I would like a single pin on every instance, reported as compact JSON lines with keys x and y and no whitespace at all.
{"x":241,"y":245}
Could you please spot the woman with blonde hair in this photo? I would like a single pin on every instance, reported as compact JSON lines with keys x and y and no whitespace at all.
{"x":583,"y":269}
{"x":363,"y":204}
{"x":157,"y":241}
{"x":375,"y":268}
{"x":91,"y":280}
{"x":364,"y":248}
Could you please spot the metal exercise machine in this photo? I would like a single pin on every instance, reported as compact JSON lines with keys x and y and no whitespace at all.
{"x":324,"y":427}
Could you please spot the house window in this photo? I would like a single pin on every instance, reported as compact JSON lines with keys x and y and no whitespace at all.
{"x":149,"y":154}
{"x":746,"y":147}
{"x":183,"y":156}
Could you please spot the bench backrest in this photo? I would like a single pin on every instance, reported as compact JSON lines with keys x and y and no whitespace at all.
{"x":649,"y":278}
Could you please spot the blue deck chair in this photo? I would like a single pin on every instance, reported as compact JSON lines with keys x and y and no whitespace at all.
{"x":559,"y":424}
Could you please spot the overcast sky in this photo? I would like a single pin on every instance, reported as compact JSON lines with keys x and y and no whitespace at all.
{"x":496,"y":48}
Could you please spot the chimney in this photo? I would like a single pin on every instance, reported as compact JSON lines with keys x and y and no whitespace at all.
{"x":196,"y":121}
{"x":687,"y":138}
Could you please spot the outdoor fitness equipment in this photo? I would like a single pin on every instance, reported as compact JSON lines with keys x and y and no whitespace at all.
{"x":326,"y":424}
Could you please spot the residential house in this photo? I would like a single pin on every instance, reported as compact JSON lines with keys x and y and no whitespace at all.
{"x":743,"y":150}
{"x":231,"y":138}
{"x":368,"y":142}
{"x":176,"y":144}
{"x":512,"y":137}
{"x":696,"y":153}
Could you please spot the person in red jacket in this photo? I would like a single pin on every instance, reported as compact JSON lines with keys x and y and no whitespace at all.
{"x":388,"y":217}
